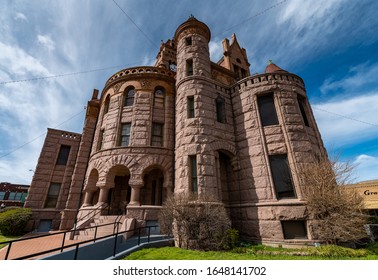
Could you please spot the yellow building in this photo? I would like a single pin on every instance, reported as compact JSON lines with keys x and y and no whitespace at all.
{"x":369,"y":191}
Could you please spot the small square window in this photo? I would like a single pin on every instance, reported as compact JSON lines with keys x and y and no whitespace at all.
{"x":294,"y":229}
{"x":188,"y":41}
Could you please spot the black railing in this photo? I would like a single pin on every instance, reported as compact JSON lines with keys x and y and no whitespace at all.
{"x":62,"y":247}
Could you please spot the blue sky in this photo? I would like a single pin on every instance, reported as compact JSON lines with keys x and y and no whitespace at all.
{"x":331,"y":44}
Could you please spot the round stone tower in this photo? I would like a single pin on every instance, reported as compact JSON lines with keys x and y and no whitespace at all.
{"x":130,"y":168}
{"x":205,"y":144}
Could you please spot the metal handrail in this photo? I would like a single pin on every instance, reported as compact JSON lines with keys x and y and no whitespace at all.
{"x":10,"y":242}
{"x":77,"y":245}
{"x":93,"y":210}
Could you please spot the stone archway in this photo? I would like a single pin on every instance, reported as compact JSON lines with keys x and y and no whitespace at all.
{"x":119,"y":191}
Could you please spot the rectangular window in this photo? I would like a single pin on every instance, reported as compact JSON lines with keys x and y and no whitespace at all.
{"x":157,"y":134}
{"x":188,"y":41}
{"x":190,"y":107}
{"x":2,"y":195}
{"x":267,"y":110}
{"x":100,"y":140}
{"x":12,"y":196}
{"x":64,"y":152}
{"x":189,"y":67}
{"x":125,"y":134}
{"x":24,"y":195}
{"x":193,"y":173}
{"x":220,"y":109}
{"x":303,"y":112}
{"x":281,"y":176}
{"x":294,"y":229}
{"x":52,"y":195}
{"x":18,"y":196}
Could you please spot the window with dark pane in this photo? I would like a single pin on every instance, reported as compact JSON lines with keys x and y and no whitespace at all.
{"x":157,"y":134}
{"x":64,"y":152}
{"x":281,"y":176}
{"x":267,"y":110}
{"x":301,"y":103}
{"x":100,"y":140}
{"x":129,"y":96}
{"x":190,"y":102}
{"x":159,"y":96}
{"x":294,"y":229}
{"x":189,"y":67}
{"x":52,"y":195}
{"x":107,"y":104}
{"x":220,"y":109}
{"x":193,"y":173}
{"x":125,"y":134}
{"x":188,"y":41}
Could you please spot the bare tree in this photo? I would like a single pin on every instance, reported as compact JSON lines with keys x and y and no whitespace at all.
{"x":336,"y":211}
{"x":197,"y":222}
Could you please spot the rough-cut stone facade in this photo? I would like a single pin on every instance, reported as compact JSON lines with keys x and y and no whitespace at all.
{"x":190,"y":125}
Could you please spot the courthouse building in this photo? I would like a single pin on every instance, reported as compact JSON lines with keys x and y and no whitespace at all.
{"x":186,"y":124}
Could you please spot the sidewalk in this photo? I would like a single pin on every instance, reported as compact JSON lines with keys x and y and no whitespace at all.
{"x":32,"y":246}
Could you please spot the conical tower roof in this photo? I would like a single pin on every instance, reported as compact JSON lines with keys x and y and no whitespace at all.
{"x":272,"y":68}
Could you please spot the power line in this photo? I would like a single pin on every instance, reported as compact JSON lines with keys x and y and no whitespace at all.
{"x":144,"y":34}
{"x":345,"y":117}
{"x":252,"y":17}
{"x":39,"y":136}
{"x":59,"y":75}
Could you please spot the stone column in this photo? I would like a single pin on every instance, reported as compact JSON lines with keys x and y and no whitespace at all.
{"x":88,"y":200}
{"x":135,"y":185}
{"x":103,"y":196}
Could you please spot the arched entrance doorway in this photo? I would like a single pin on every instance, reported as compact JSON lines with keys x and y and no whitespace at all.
{"x":119,"y":195}
{"x":153,"y":192}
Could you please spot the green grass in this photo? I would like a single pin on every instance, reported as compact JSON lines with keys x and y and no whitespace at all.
{"x":6,"y":238}
{"x":258,"y":252}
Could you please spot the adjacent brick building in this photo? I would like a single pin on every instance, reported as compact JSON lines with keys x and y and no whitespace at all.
{"x":187,"y":124}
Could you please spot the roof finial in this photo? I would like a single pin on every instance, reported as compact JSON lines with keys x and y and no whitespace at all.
{"x":191,"y":16}
{"x":270,"y":62}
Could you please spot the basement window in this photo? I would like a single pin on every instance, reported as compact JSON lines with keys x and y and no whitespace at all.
{"x":294,"y":229}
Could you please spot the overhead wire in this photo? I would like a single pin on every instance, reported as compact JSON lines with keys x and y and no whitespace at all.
{"x":152,"y":42}
{"x":39,"y":136}
{"x":134,"y":23}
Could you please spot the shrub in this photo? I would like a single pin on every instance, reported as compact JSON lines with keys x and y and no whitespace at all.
{"x":13,"y":221}
{"x":232,"y":238}
{"x":373,"y":248}
{"x":196,"y":221}
{"x":333,"y":251}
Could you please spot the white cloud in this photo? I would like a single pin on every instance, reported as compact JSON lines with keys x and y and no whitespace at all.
{"x":20,"y":16}
{"x":359,"y":76}
{"x":46,"y":41}
{"x":346,"y":121}
{"x":366,"y":167}
{"x":216,"y":50}
{"x":16,"y":61}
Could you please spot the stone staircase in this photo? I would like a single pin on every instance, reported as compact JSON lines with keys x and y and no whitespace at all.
{"x":105,"y":227}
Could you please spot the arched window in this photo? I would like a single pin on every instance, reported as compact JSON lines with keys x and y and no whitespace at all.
{"x":220,"y":109}
{"x":107,"y":104}
{"x":129,"y":96}
{"x":159,"y":96}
